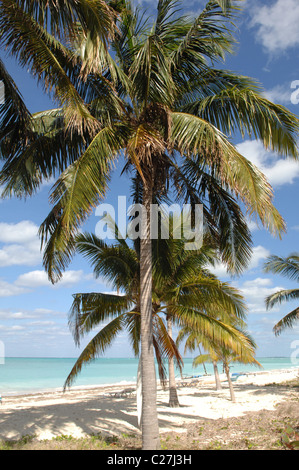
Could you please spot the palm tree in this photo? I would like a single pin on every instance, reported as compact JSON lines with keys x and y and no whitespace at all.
{"x":218,"y":352}
{"x":181,"y":288}
{"x":193,"y":341}
{"x":288,"y":267}
{"x":157,"y":99}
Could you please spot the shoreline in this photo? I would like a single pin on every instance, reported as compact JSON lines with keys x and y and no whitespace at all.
{"x":22,"y":377}
{"x":102,"y":410}
{"x":204,"y":378}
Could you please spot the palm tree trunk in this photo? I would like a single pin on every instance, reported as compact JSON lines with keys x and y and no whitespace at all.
{"x":230,"y":384}
{"x":149,"y":420}
{"x":173,"y":395}
{"x":217,"y":378}
{"x":203,"y":364}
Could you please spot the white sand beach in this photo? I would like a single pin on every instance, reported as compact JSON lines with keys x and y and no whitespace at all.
{"x":81,"y":412}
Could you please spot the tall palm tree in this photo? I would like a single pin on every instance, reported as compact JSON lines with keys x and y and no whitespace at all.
{"x":157,"y":99}
{"x":288,"y":267}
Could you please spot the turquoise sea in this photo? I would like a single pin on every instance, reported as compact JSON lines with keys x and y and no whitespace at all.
{"x":27,"y":375}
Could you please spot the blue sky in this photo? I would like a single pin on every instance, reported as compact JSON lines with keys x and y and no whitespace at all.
{"x":33,"y":313}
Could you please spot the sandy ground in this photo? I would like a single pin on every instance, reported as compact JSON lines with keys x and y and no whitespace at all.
{"x":97,"y":410}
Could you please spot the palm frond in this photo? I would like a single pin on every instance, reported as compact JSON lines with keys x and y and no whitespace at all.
{"x":283,"y":295}
{"x":150,"y":74}
{"x":223,"y":216}
{"x":193,"y":135}
{"x":48,"y":150}
{"x":47,"y":59}
{"x":60,"y":16}
{"x":288,"y":321}
{"x":207,"y":38}
{"x":78,"y":190}
{"x":199,"y":360}
{"x":117,"y":263}
{"x":97,"y":346}
{"x":288,"y":267}
{"x":210,"y":327}
{"x":15,"y":118}
{"x":234,"y":103}
{"x":90,"y":310}
{"x":203,"y":292}
{"x":166,"y":344}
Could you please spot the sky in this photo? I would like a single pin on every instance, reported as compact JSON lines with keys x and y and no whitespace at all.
{"x":34,"y":313}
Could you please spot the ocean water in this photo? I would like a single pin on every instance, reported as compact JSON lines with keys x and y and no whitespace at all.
{"x":27,"y":375}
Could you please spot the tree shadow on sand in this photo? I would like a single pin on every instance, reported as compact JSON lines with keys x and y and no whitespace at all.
{"x":85,"y":416}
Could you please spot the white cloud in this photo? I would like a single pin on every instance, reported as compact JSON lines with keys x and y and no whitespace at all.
{"x":11,"y":329}
{"x":279,"y":171}
{"x":19,"y":316}
{"x":38,"y":278}
{"x":252,"y":225}
{"x":259,"y":253}
{"x":280,"y":94}
{"x":277,"y":24}
{"x":29,"y":281}
{"x":255,"y":292}
{"x":8,"y":290}
{"x":258,"y":282}
{"x":22,"y":232}
{"x":21,"y":244}
{"x":33,"y":279}
{"x":36,"y":315}
{"x":42,"y":323}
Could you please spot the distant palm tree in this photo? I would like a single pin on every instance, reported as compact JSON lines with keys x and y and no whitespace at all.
{"x":155,"y":97}
{"x":217,"y":352}
{"x":288,"y":267}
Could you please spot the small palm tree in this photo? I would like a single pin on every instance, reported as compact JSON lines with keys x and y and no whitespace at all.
{"x":288,"y":267}
{"x":247,"y":357}
{"x":216,"y":352}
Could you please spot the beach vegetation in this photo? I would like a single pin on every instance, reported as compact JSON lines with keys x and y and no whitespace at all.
{"x":290,"y":438}
{"x":149,"y":92}
{"x":63,"y":437}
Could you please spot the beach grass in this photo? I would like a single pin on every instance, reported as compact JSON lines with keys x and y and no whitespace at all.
{"x":257,"y":431}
